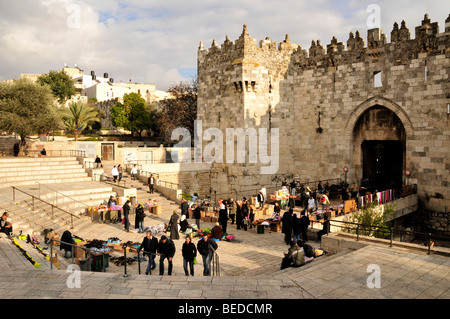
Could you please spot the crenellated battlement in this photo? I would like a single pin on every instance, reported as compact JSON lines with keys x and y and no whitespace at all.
{"x":356,"y":49}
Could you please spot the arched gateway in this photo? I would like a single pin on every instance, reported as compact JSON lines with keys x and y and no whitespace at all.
{"x":378,"y":131}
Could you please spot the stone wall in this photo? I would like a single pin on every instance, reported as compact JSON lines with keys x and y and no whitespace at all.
{"x":329,"y":87}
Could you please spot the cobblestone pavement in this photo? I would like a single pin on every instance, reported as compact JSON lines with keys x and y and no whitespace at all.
{"x":249,"y":270}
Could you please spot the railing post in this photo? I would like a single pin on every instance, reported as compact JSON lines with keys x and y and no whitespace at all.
{"x":357,"y":232}
{"x":139,"y":261}
{"x":392,"y":235}
{"x":429,"y":243}
{"x":51,"y":254}
{"x":14,"y":194}
{"x":125,"y":260}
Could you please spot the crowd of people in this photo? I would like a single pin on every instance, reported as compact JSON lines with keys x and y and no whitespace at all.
{"x":165,"y":249}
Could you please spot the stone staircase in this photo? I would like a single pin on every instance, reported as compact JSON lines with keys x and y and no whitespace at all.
{"x":46,"y":170}
{"x":142,"y":189}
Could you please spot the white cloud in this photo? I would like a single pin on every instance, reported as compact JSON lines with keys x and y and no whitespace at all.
{"x":151,"y":41}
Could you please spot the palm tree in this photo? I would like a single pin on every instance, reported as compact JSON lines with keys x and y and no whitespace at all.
{"x":79,"y":116}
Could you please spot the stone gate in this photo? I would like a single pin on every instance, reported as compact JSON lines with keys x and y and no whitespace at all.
{"x":336,"y":106}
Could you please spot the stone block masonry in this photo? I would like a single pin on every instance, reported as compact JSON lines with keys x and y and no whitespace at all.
{"x":328,"y":100}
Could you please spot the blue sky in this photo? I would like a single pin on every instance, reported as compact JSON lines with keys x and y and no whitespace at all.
{"x":156,"y":41}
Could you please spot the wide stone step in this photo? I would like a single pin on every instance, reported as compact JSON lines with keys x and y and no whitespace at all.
{"x":47,"y":181}
{"x":37,"y":162}
{"x":22,"y":168}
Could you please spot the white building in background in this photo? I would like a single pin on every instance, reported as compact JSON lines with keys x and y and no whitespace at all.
{"x":103,"y":87}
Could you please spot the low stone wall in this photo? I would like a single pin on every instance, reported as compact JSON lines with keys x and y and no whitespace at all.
{"x":338,"y":242}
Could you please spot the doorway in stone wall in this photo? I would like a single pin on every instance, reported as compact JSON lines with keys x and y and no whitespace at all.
{"x":382,"y":164}
{"x":379,"y":149}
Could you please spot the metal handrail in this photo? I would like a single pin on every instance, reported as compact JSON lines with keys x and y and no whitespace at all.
{"x":29,"y":211}
{"x":54,"y":190}
{"x":215,"y":263}
{"x":54,"y":153}
{"x":108,"y":182}
{"x":53,"y":206}
{"x":391,"y":231}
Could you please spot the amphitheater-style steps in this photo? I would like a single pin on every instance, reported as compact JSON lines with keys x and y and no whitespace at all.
{"x":46,"y":170}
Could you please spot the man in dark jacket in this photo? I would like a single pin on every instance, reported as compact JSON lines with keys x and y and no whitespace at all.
{"x":197,"y":215}
{"x":126,"y":215}
{"x":150,"y":245}
{"x":304,"y":223}
{"x":244,"y":212}
{"x":166,"y":249}
{"x":205,"y":248}
{"x":184,"y":208}
{"x":287,"y":221}
{"x":223,"y":215}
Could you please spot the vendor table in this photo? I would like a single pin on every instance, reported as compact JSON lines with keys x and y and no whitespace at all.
{"x":275,"y":226}
{"x":282,"y":202}
{"x":111,"y":215}
{"x":156,"y":210}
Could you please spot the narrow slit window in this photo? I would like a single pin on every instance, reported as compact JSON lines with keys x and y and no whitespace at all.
{"x":377,"y":80}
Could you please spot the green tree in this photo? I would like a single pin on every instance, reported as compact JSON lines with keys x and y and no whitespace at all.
{"x":180,"y":110}
{"x":372,"y":220}
{"x":27,"y":108}
{"x":133,"y":115}
{"x":60,"y":83}
{"x":119,"y":117}
{"x":79,"y":116}
{"x":139,"y":119}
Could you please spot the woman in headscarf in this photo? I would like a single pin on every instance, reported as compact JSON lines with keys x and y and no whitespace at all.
{"x":183,"y":223}
{"x":173,"y":226}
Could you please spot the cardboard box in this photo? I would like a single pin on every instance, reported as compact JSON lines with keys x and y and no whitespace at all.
{"x":54,"y":259}
{"x":213,"y":219}
{"x":80,"y":252}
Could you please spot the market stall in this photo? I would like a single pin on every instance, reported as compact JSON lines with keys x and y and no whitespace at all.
{"x":102,"y":213}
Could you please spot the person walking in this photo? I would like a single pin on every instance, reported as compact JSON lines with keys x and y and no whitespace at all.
{"x":261,"y":199}
{"x":223,"y":215}
{"x":197,"y":215}
{"x":120,"y":171}
{"x":239,"y":215}
{"x":205,"y":248}
{"x":114,"y":173}
{"x":134,"y":172}
{"x":173,"y":226}
{"x":304,"y":224}
{"x":189,"y":252}
{"x":166,"y":250}
{"x":244,"y":212}
{"x":324,"y":201}
{"x":184,"y":208}
{"x":296,"y":227}
{"x":311,"y":204}
{"x":150,"y":245}
{"x":126,"y":215}
{"x":233,"y":208}
{"x":151,"y":183}
{"x":140,"y":215}
{"x":287,"y":226}
{"x":98,"y":162}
